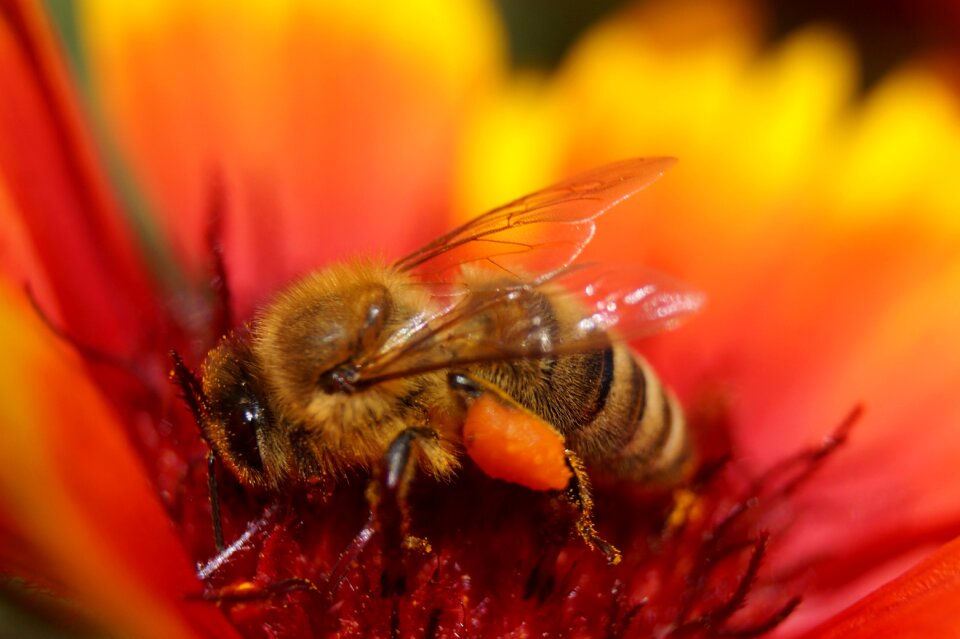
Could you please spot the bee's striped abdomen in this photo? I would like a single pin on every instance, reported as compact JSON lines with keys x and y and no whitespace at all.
{"x":608,"y":403}
{"x":639,"y":431}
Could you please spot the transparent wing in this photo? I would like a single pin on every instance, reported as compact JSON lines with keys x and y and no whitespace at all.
{"x":630,"y":301}
{"x":537,"y":234}
{"x":574,"y":310}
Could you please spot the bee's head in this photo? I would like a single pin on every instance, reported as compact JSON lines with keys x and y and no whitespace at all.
{"x":237,"y":420}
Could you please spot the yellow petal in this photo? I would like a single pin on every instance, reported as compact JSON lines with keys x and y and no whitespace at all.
{"x":902,"y":152}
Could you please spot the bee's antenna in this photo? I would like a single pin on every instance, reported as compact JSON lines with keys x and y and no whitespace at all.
{"x":192,"y":393}
{"x":191,"y":390}
{"x":214,"y":494}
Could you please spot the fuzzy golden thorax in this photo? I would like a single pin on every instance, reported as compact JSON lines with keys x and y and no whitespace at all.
{"x":316,"y":329}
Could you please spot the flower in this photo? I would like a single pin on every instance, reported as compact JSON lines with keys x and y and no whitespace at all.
{"x":818,"y":223}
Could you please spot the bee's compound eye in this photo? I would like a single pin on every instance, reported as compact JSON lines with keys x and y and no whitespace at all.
{"x":245,"y":419}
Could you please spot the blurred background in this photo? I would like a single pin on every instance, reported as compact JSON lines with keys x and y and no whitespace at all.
{"x":884,"y":33}
{"x":540,"y":32}
{"x":816,"y":201}
{"x":540,"y":88}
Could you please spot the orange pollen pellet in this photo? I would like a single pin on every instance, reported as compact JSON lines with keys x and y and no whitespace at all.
{"x":512,"y":444}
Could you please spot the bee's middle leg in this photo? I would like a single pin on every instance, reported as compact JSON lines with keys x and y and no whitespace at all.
{"x":389,"y":512}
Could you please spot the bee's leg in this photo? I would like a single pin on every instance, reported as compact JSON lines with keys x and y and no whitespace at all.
{"x":386,"y":494}
{"x":388,"y":507}
{"x":579,"y":493}
{"x":558,"y":467}
{"x":253,"y":591}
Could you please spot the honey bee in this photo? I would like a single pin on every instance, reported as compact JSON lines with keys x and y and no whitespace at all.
{"x":489,"y":340}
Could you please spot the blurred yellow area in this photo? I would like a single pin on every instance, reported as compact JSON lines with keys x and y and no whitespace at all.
{"x":756,"y":128}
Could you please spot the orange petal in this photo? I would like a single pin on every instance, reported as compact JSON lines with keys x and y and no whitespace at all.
{"x":332,"y":123}
{"x":74,"y":497}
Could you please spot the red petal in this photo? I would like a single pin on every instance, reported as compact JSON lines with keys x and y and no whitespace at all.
{"x":920,"y":603}
{"x":71,"y":245}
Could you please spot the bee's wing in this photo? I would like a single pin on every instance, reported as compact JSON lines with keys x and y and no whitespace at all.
{"x":537,"y":234}
{"x":599,"y":305}
{"x":631,"y":301}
